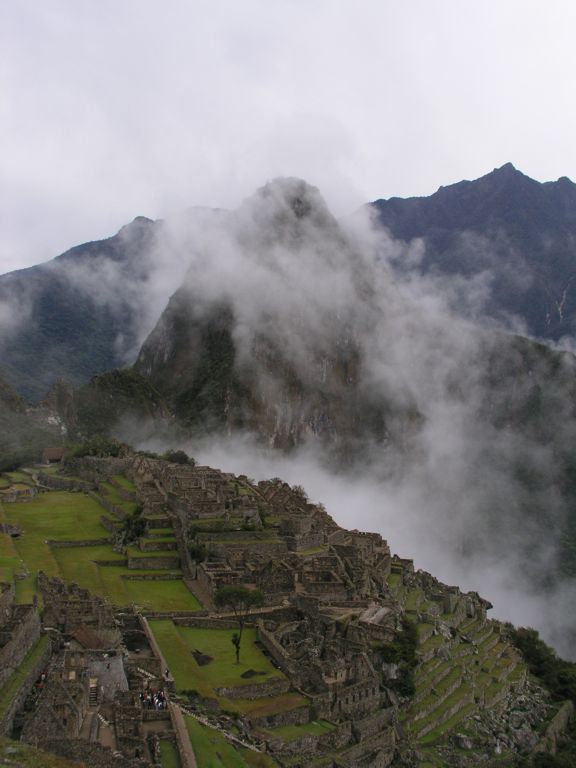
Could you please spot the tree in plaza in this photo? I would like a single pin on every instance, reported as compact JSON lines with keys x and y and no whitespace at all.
{"x":240,"y":600}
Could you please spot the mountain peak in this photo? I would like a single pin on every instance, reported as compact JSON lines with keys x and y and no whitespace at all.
{"x":284,"y":205}
{"x":292,"y":193}
{"x":507,"y":168}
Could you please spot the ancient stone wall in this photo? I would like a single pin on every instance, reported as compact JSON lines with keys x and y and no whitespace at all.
{"x":57,"y":483}
{"x":17,"y":637}
{"x":153,"y":563}
{"x":274,"y":687}
{"x":275,"y":650}
{"x":557,"y":728}
{"x":373,"y":724}
{"x":7,"y":597}
{"x":7,"y":719}
{"x":95,"y":469}
{"x":358,"y":700}
{"x":92,"y":755}
{"x":206,"y":623}
{"x":380,"y":748}
{"x":108,"y":506}
{"x":299,"y":716}
{"x":61,"y":544}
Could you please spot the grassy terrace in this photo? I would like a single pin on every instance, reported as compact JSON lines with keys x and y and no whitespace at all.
{"x":24,"y":756}
{"x":19,"y":476}
{"x":135,"y":552}
{"x":60,"y":515}
{"x":178,"y":643}
{"x":123,"y":482}
{"x":169,"y":757}
{"x":54,"y":515}
{"x":111,"y":493}
{"x":14,"y":682}
{"x":212,"y":750}
{"x":295,"y":732}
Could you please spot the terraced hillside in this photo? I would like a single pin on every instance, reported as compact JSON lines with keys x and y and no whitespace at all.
{"x":353,"y":657}
{"x":71,"y":534}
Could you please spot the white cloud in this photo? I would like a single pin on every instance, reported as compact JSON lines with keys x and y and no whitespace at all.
{"x":118,"y":109}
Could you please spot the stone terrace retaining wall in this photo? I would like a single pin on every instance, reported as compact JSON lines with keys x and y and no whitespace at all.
{"x":61,"y":544}
{"x":18,"y":701}
{"x":274,"y":687}
{"x":299,"y":716}
{"x":154,"y":563}
{"x":93,"y":755}
{"x":382,"y":747}
{"x":198,"y":622}
{"x":7,"y":598}
{"x":108,"y":506}
{"x":152,"y":577}
{"x":57,"y":483}
{"x":17,"y":638}
{"x":445,"y":715}
{"x":557,"y":728}
{"x":105,"y":522}
{"x":373,"y":724}
{"x":274,"y":649}
{"x":312,"y":743}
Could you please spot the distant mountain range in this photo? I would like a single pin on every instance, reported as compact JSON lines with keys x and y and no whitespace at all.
{"x":89,"y":310}
{"x":275,"y":319}
{"x":519,"y":233}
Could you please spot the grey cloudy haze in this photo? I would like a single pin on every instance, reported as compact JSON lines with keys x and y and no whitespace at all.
{"x":119,"y":108}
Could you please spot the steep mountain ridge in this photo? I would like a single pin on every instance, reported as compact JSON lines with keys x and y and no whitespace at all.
{"x":88,"y":310}
{"x":291,"y":329}
{"x":270,"y":352}
{"x":519,"y":233}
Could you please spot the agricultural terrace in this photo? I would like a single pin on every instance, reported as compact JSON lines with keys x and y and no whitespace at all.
{"x":203,"y":659}
{"x":212,"y":750}
{"x":169,"y":757}
{"x":59,"y":516}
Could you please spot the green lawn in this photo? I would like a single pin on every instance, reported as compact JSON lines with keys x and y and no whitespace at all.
{"x":111,"y":493}
{"x":25,"y":756}
{"x":161,"y":595}
{"x":57,"y":515}
{"x":189,"y":676}
{"x":212,"y":750}
{"x":19,"y":477}
{"x":52,"y":469}
{"x":10,"y":561}
{"x":61,"y":515}
{"x":169,"y":757}
{"x":53,"y":515}
{"x":135,"y":552}
{"x":123,"y":482}
{"x":76,"y":564}
{"x":177,"y":644}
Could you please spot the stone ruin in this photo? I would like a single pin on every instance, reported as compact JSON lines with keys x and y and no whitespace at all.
{"x":335,"y":604}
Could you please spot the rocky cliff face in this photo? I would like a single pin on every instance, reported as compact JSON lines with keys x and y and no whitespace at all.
{"x":279,"y":351}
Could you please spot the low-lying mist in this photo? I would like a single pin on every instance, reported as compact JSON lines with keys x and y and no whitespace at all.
{"x":474,"y":487}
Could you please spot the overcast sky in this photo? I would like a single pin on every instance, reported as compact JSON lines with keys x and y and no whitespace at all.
{"x":118,"y":108}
